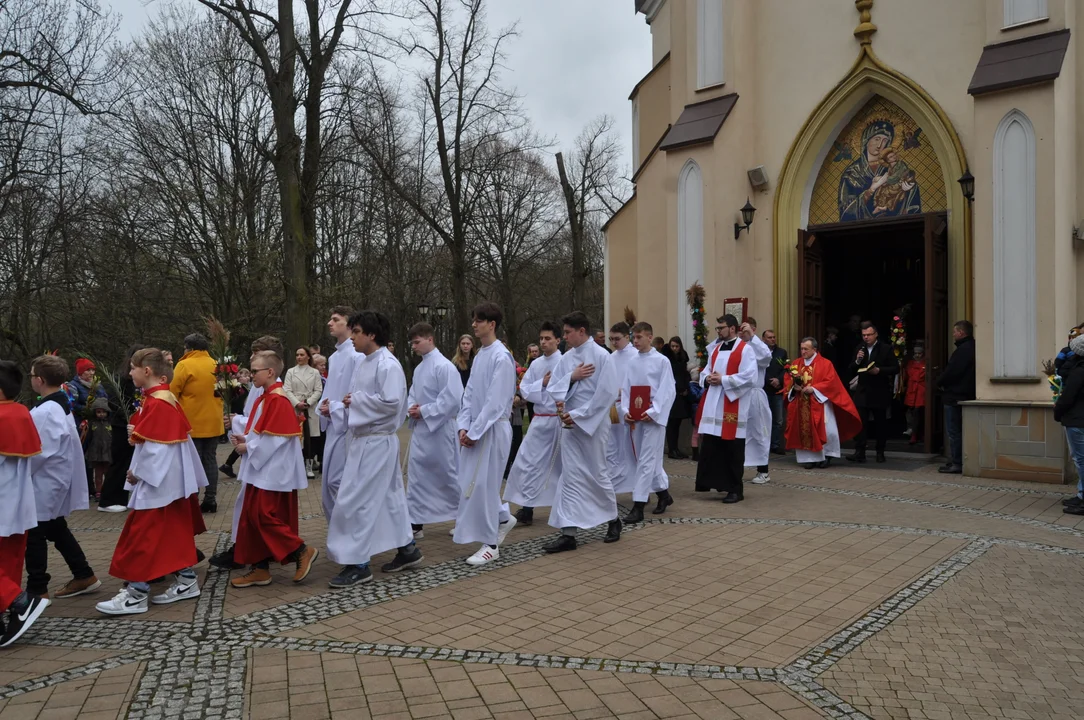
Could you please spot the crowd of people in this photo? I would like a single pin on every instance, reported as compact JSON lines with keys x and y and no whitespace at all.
{"x":600,"y":420}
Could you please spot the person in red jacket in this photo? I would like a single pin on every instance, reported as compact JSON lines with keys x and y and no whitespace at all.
{"x":914,"y":394}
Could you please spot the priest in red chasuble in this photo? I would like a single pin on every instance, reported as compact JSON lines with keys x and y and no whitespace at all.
{"x":820,"y":412}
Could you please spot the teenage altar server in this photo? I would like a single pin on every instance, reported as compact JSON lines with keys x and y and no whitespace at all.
{"x":758,"y":429}
{"x":19,"y":442}
{"x":237,"y":425}
{"x":729,"y":378}
{"x":485,"y":439}
{"x":164,"y":480}
{"x":272,"y":471}
{"x":584,"y":386}
{"x":340,"y":373}
{"x":646,"y":396}
{"x":619,"y":455}
{"x":534,"y":474}
{"x":432,"y":406}
{"x":60,"y":484}
{"x":370,"y":514}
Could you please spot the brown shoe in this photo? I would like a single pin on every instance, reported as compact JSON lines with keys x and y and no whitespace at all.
{"x":79,"y":587}
{"x":304,"y":563}
{"x":255,"y":576}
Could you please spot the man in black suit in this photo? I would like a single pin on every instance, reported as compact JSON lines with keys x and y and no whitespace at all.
{"x":874,"y":366}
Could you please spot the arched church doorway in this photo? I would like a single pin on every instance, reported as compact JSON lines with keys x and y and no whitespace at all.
{"x":876,"y":248}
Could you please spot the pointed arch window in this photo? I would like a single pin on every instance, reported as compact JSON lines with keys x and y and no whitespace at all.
{"x":690,"y":233}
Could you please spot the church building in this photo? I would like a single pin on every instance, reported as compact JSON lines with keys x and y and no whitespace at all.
{"x":811,"y":160}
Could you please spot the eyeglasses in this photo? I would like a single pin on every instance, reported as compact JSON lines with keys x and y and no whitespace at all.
{"x":254,"y":371}
{"x":719,"y":327}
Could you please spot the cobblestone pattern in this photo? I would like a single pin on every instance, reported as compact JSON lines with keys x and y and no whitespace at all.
{"x":197,"y":670}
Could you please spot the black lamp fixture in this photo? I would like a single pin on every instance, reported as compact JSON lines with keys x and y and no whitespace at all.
{"x":423,"y":309}
{"x":441,"y":311}
{"x":967,"y":184}
{"x":747,"y":213}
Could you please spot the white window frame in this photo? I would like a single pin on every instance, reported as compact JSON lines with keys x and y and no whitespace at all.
{"x":1014,"y":194}
{"x":710,"y":44}
{"x":690,"y":235}
{"x":1013,"y":10}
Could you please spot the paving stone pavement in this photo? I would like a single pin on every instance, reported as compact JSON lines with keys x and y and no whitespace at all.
{"x":888,"y":592}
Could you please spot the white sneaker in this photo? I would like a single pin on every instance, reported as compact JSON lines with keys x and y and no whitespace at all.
{"x":308,"y":470}
{"x":181,"y":589}
{"x":125,"y":603}
{"x":761,"y":479}
{"x":452,"y":531}
{"x":484,"y":555}
{"x":112,"y":508}
{"x":504,"y":528}
{"x":419,"y":535}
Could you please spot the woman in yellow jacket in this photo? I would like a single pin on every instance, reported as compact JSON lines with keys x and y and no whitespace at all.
{"x":194,"y":385}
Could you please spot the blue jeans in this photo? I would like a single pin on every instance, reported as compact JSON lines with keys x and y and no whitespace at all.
{"x":954,"y":427}
{"x":779,"y":420}
{"x":1075,"y":437}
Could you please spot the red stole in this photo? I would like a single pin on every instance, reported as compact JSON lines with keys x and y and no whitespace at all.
{"x":730,"y":407}
{"x":160,"y":419}
{"x":20,"y":436}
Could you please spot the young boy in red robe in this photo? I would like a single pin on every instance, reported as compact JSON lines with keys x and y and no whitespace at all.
{"x":164,"y":477}
{"x":19,"y":442}
{"x":272,"y":470}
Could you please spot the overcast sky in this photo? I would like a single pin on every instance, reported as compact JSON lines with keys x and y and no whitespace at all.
{"x":573,"y":59}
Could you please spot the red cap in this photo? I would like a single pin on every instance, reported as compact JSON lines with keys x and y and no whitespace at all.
{"x":82,"y":365}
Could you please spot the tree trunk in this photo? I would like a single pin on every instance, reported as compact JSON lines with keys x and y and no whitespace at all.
{"x":576,"y":230}
{"x":461,"y":313}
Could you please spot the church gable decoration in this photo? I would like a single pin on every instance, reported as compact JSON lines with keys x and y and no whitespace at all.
{"x":879,"y":167}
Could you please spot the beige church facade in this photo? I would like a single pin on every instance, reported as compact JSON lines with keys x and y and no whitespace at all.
{"x":849,"y":127}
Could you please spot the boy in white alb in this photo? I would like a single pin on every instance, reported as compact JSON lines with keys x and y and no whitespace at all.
{"x":164,"y":478}
{"x":485,"y":437}
{"x":533,"y":478}
{"x":758,"y":429}
{"x":370,"y":514}
{"x":60,"y":484}
{"x":619,"y":455}
{"x":432,"y":406}
{"x":646,"y":397}
{"x":19,"y":442}
{"x":340,"y":373}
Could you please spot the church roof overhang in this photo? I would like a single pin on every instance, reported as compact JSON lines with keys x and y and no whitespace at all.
{"x":1018,"y":63}
{"x":699,"y":123}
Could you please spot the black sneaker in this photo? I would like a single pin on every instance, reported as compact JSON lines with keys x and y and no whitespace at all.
{"x":227,"y":471}
{"x":1074,"y":500}
{"x":403,"y":561}
{"x":562,"y":544}
{"x":224,"y":560}
{"x":208,"y":506}
{"x":350,"y":576}
{"x":613,"y":531}
{"x":525,"y":516}
{"x":1073,"y":509}
{"x":20,"y":621}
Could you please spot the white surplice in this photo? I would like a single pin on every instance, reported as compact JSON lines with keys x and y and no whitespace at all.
{"x":654,"y":370}
{"x":737,"y":387}
{"x":487,"y":403}
{"x":19,"y":510}
{"x":341,"y":367}
{"x":533,"y":477}
{"x":272,"y":462}
{"x":758,"y":429}
{"x":59,"y":471}
{"x":432,"y":460}
{"x":370,"y":514}
{"x":584,"y":495}
{"x":166,"y":472}
{"x":619,"y":455}
{"x":831,"y":429}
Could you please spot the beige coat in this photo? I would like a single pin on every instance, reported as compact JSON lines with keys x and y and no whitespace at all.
{"x":304,"y":384}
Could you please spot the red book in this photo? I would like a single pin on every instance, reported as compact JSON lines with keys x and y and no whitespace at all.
{"x":639,"y":401}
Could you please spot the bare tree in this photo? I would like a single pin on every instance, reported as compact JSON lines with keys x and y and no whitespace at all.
{"x":281,"y":43}
{"x":592,"y":189}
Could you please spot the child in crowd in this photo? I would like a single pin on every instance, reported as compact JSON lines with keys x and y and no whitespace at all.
{"x":98,"y":442}
{"x":237,"y":407}
{"x":19,"y":442}
{"x":914,"y":394}
{"x":164,"y":481}
{"x":60,"y":485}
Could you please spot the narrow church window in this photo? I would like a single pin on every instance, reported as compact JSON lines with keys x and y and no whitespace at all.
{"x":1014,"y":247}
{"x":1023,"y":11}
{"x":690,"y":260}
{"x":709,"y":43}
